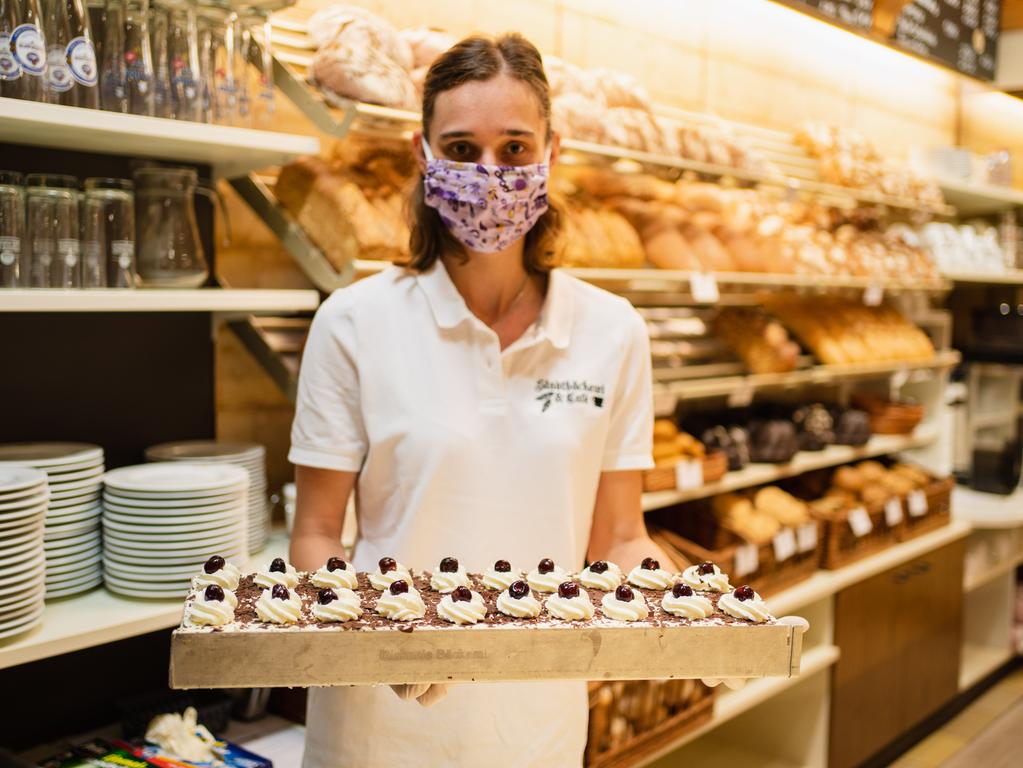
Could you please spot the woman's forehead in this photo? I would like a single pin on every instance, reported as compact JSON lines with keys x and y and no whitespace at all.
{"x":501,"y":105}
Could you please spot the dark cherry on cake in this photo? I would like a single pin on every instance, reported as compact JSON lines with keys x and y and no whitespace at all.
{"x":706,"y":568}
{"x":449,"y":565}
{"x":568,"y":590}
{"x":280,"y":592}
{"x":387,"y":564}
{"x":214,"y":564}
{"x":277,"y":566}
{"x":599,"y":567}
{"x":399,"y":587}
{"x":545,"y":566}
{"x":625,"y":593}
{"x":461,"y":595}
{"x":682,"y":590}
{"x":649,"y":564}
{"x":336,"y":564}
{"x":214,"y":592}
{"x":518,"y":589}
{"x":326,"y":596}
{"x":745,"y":592}
{"x":502,"y":566}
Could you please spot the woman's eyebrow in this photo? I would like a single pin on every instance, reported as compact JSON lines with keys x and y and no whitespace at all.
{"x":469,"y":134}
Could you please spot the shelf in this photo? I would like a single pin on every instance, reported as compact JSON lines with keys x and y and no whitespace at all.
{"x":979,"y":661}
{"x":98,"y":617}
{"x":276,"y":343}
{"x":974,"y":199}
{"x":665,"y":395}
{"x":231,"y":151}
{"x":759,"y":474}
{"x":988,"y":510}
{"x":731,"y":704}
{"x":989,"y":574}
{"x":1009,"y":277}
{"x":158,"y":300}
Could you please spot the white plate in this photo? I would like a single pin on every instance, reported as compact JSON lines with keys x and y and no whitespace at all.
{"x":10,"y":617}
{"x":60,"y":545}
{"x":135,"y":559}
{"x":182,"y":522}
{"x":25,"y":502}
{"x":60,"y":580}
{"x":27,"y":593}
{"x":49,"y":454}
{"x":198,"y":555}
{"x":29,"y":521}
{"x":135,"y":589}
{"x":14,"y":565}
{"x":24,"y":495}
{"x":75,"y":499}
{"x":78,"y":466}
{"x":72,"y":565}
{"x":18,"y":478}
{"x":26,"y":581}
{"x":139,"y":543}
{"x":56,"y":594}
{"x":78,"y":517}
{"x":136,"y":573}
{"x":64,"y":530}
{"x":211,"y":509}
{"x":203,"y":450}
{"x":86,"y":487}
{"x":21,"y":542}
{"x":174,"y":539}
{"x":6,"y":633}
{"x":195,"y":502}
{"x":76,"y":506}
{"x":59,"y":482}
{"x":84,"y":550}
{"x":177,"y":476}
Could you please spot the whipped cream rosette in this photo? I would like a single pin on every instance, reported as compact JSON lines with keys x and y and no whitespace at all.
{"x":601,"y":575}
{"x":278,"y":572}
{"x":462,"y":606}
{"x":547,"y":576}
{"x":217,"y":571}
{"x":681,"y":600}
{"x":340,"y":604}
{"x":449,"y":575}
{"x":279,"y":605}
{"x":212,"y":607}
{"x":744,"y":603}
{"x":518,"y":601}
{"x":388,"y":571}
{"x":624,"y":604}
{"x":650,"y":575}
{"x":570,"y":603}
{"x":336,"y":574}
{"x":501,"y":575}
{"x":706,"y":576}
{"x":401,"y":602}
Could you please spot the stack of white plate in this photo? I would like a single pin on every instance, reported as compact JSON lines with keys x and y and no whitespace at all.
{"x":161,"y":522}
{"x":73,"y":537}
{"x":250,"y":456}
{"x":22,"y":560}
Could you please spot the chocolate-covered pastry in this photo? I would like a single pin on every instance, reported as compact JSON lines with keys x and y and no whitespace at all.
{"x":773,"y":441}
{"x":852,"y":427}
{"x":815,"y":426}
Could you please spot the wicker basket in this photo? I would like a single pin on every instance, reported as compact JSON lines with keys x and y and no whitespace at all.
{"x":939,"y":510}
{"x":715,"y":465}
{"x":841,"y":546}
{"x":630,"y":721}
{"x":889,"y":418}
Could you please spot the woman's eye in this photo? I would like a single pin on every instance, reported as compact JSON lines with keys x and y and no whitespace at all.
{"x":515,"y":148}
{"x":460,"y":149}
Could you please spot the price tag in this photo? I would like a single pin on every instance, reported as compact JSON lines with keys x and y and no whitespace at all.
{"x":742,"y":395}
{"x":784,"y":544}
{"x":860,"y":523}
{"x":898,"y":381}
{"x":893,"y":512}
{"x":688,"y":475}
{"x":917,"y":503}
{"x":806,"y":537}
{"x":873,"y":295}
{"x":704,"y":287}
{"x":747,"y":559}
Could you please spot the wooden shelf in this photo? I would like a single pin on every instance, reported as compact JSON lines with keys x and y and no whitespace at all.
{"x":979,"y":661}
{"x":973,"y":199}
{"x":231,"y":151}
{"x":805,"y":461}
{"x":975,"y":581}
{"x":158,"y":300}
{"x":988,"y":510}
{"x":99,"y":617}
{"x":1009,"y":277}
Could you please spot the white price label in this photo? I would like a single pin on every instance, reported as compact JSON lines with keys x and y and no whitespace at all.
{"x":688,"y":475}
{"x":742,"y":395}
{"x":893,"y":512}
{"x":917,"y":503}
{"x":806,"y":537}
{"x":747,"y":559}
{"x":784,"y":544}
{"x":704,"y":287}
{"x":860,"y":523}
{"x":873,"y":295}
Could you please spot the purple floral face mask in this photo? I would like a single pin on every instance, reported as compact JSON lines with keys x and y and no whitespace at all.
{"x":486,"y":207}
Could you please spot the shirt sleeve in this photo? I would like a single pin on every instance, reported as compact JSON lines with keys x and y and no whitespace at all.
{"x":328,"y":430}
{"x":630,"y":435}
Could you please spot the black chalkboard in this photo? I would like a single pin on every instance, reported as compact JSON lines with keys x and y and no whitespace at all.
{"x":962,"y":34}
{"x":857,"y":14}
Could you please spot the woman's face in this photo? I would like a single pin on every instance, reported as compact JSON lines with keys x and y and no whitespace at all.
{"x":493,"y":122}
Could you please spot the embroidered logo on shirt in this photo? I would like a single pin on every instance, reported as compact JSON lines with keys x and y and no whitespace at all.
{"x":570,"y":391}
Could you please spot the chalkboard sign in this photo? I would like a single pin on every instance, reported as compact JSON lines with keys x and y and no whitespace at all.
{"x":852,"y":13}
{"x":962,"y":34}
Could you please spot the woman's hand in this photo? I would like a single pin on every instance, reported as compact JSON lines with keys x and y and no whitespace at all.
{"x":619,"y":533}
{"x":426,"y":694}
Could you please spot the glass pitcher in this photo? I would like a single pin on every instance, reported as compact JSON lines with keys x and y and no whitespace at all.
{"x":170,"y":252}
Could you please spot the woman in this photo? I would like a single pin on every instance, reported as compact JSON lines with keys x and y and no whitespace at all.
{"x":488,"y":408}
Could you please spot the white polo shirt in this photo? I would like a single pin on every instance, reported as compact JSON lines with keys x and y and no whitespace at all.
{"x":463,"y":449}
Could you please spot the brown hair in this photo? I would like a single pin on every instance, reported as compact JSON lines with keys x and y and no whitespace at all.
{"x":475,"y":59}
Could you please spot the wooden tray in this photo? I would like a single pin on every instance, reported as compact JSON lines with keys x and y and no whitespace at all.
{"x":939,"y":511}
{"x":320,"y":657}
{"x":715,"y":465}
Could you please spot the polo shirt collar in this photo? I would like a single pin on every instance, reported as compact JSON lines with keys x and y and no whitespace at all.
{"x":449,"y":308}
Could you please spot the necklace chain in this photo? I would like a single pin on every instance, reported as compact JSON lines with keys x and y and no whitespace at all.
{"x":511,"y":305}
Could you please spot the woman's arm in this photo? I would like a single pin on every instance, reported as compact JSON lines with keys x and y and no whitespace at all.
{"x":619,"y":533}
{"x":321,"y":500}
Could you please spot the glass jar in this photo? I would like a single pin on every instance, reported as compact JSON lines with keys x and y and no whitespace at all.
{"x":22,"y":50}
{"x":52,"y":231}
{"x":12,"y":227}
{"x":108,"y":242}
{"x":170,"y":252}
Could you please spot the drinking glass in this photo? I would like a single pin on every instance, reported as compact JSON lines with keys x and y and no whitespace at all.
{"x":53,"y":244}
{"x":138,"y":58}
{"x":183,"y":56}
{"x":12,"y":227}
{"x":109,"y":241}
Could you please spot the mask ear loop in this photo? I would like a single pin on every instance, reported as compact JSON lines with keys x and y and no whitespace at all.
{"x":426,"y":150}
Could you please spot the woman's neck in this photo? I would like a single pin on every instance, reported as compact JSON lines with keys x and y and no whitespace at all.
{"x":490,"y":283}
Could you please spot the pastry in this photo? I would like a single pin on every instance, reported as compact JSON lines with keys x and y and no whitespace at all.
{"x":211,"y":607}
{"x":278,"y":605}
{"x":388,"y":571}
{"x":338,"y":604}
{"x":601,"y":575}
{"x":773,"y":441}
{"x":705,"y":576}
{"x":650,"y":575}
{"x":518,"y":601}
{"x":401,"y":602}
{"x":501,"y":575}
{"x":277,"y":572}
{"x":334,"y":575}
{"x":681,"y":600}
{"x":449,"y":575}
{"x":570,"y":603}
{"x":216,"y":571}
{"x":624,"y":604}
{"x":744,"y":603}
{"x":462,"y":606}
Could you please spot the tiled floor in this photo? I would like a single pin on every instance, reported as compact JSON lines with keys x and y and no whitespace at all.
{"x":988,"y":733}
